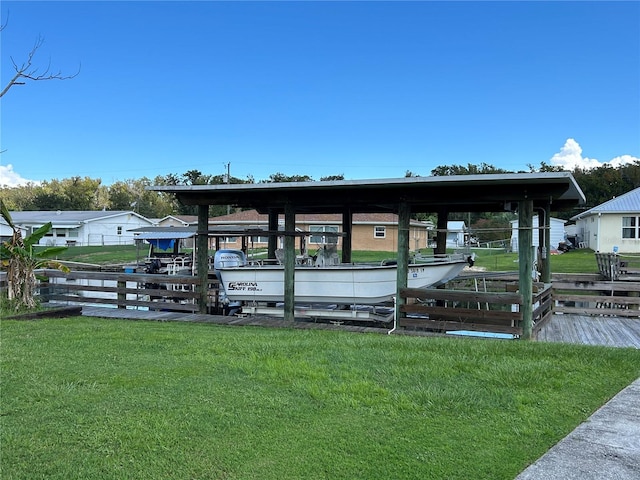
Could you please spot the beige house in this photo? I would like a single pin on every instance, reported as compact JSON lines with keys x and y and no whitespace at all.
{"x":178,"y":221}
{"x":613,"y":226}
{"x":370,"y":231}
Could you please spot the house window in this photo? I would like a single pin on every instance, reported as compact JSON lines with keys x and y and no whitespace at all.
{"x":119,"y":230}
{"x":379,"y":232}
{"x":630,"y":227}
{"x":321,"y":234}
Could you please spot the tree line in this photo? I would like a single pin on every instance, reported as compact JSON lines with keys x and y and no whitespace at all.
{"x":83,"y":193}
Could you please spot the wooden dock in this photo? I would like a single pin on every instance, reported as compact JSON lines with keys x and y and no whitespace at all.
{"x":564,"y":328}
{"x":256,"y":321}
{"x":592,"y":330}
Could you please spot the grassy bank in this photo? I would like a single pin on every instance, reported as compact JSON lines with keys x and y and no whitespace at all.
{"x":87,"y":398}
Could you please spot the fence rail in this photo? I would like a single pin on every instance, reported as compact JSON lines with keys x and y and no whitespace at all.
{"x":125,"y":290}
{"x":613,"y":266}
{"x":590,"y":295}
{"x":497,"y":309}
{"x":498,"y":312}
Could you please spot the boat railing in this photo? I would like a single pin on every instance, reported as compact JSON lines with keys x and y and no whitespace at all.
{"x":438,"y":258}
{"x":178,"y":266}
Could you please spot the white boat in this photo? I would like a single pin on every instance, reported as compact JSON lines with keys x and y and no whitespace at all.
{"x":352,"y":284}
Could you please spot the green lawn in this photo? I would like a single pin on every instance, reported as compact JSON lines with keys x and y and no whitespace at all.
{"x":575,"y":261}
{"x":105,"y":399}
{"x":104,"y":255}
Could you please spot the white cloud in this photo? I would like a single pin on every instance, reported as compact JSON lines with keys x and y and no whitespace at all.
{"x":622,"y":160}
{"x":570,"y":157}
{"x":9,"y":178}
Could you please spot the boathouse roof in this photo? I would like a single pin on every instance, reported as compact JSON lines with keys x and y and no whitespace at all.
{"x":462,"y":193}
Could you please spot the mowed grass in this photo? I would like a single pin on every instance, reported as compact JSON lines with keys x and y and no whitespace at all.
{"x":105,"y":399}
{"x":104,"y":255}
{"x":575,"y":261}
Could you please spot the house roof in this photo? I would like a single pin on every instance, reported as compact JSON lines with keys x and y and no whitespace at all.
{"x":254,"y":217}
{"x":188,"y":219}
{"x":167,"y":234}
{"x":71,"y":218}
{"x":626,"y":203}
{"x":456,"y":225}
{"x":186,"y":232}
{"x":535,"y":220}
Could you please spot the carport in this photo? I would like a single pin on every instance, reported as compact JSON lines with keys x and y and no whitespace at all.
{"x":521,"y":192}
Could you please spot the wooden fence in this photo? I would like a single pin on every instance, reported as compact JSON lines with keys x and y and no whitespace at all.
{"x":125,"y":290}
{"x":490,"y":304}
{"x":590,"y":295}
{"x":614,"y":266}
{"x":497,"y":312}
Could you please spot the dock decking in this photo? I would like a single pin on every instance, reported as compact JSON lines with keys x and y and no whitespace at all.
{"x":592,"y":330}
{"x":564,"y":328}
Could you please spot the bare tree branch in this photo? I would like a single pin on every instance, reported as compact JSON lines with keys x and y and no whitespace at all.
{"x":3,"y":26}
{"x":27,"y":72}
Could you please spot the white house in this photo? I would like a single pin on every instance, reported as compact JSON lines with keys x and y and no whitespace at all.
{"x":456,"y":231}
{"x":613,"y":225}
{"x":83,"y":227}
{"x":6,"y":232}
{"x":557,"y":232}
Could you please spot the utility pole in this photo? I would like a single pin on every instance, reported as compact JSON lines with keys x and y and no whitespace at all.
{"x":227,"y":181}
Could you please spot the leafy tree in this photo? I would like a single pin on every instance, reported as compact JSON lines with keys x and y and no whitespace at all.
{"x":196,"y":177}
{"x":470,"y":169}
{"x":21,"y":260}
{"x":492,"y":227}
{"x":50,"y":199}
{"x":122,"y":196}
{"x":149,"y":203}
{"x":20,"y":197}
{"x":81,"y":193}
{"x":332,"y":178}
{"x":606,"y":182}
{"x":73,"y":193}
{"x":545,"y":167}
{"x":281,"y":178}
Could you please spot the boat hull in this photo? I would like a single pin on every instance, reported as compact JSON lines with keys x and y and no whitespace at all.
{"x":340,"y":284}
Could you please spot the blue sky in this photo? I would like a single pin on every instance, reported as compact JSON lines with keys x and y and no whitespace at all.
{"x":363,"y":89}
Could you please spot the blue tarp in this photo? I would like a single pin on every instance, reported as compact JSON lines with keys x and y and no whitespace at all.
{"x":162,"y":243}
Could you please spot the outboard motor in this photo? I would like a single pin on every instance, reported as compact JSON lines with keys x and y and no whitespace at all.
{"x":153,"y":266}
{"x":228,"y":258}
{"x":471,"y":259}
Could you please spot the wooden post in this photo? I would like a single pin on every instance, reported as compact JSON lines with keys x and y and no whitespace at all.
{"x":121,"y":295}
{"x":404,"y":216}
{"x":347,"y":228}
{"x":202,"y":257}
{"x":441,"y":232}
{"x":289,"y":262}
{"x":545,"y":245}
{"x":525,"y":259}
{"x":272,"y":240}
{"x":43,"y":292}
